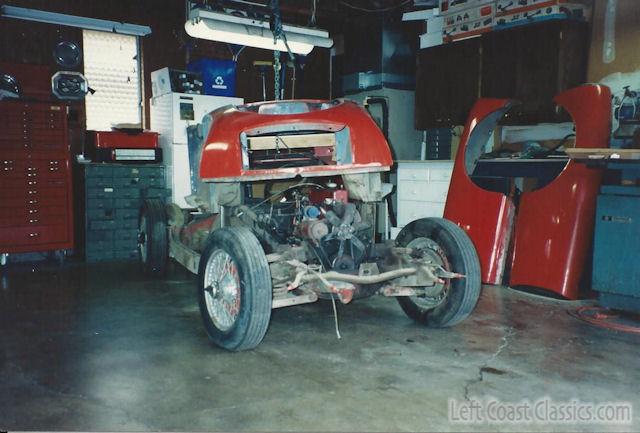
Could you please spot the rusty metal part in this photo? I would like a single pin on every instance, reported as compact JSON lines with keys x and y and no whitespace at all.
{"x":187,"y":257}
{"x":309,"y":278}
{"x":427,"y":292}
{"x":175,"y":215}
{"x":313,"y":230}
{"x":306,"y":298}
{"x":365,"y":279}
{"x":274,"y":257}
{"x":401,"y":291}
{"x":341,"y":290}
{"x":195,"y":234}
{"x":288,"y":252}
{"x":248,"y":217}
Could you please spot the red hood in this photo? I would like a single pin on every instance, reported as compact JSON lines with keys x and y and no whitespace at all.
{"x":222,"y":153}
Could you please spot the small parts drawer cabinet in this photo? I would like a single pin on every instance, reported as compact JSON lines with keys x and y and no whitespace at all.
{"x":36,"y":210}
{"x":113,"y":196}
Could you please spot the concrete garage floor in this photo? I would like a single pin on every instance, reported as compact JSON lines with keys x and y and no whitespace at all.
{"x":102,"y":348}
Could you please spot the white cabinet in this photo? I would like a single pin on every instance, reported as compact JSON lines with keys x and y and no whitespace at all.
{"x":422,"y":188}
{"x":171,"y":114}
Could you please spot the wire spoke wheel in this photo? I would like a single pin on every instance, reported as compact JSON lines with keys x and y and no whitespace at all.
{"x":222,"y":290}
{"x":234,"y":289}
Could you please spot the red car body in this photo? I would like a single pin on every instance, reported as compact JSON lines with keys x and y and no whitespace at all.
{"x":553,"y":228}
{"x":364,"y":146}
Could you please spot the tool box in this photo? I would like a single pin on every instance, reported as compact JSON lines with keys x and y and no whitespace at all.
{"x":113,"y":196}
{"x":121,"y":146}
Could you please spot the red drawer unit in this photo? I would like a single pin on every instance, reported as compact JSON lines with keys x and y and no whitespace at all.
{"x":123,"y":146}
{"x":36,"y":203}
{"x":123,"y":140}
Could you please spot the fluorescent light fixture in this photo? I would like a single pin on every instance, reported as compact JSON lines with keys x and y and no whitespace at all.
{"x":228,"y":28}
{"x":73,"y":21}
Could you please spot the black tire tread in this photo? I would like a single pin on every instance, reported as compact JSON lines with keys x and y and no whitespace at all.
{"x":468,"y":256}
{"x":244,"y":247}
{"x":157,"y":238}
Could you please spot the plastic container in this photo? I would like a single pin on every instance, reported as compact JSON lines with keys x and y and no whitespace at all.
{"x":218,"y":76}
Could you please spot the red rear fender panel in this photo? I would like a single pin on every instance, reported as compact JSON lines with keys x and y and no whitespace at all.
{"x":222,"y":158}
{"x":554,"y":227}
{"x":486,"y":216}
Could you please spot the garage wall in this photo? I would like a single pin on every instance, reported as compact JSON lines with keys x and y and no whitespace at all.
{"x":627,"y":39}
{"x":168,"y":45}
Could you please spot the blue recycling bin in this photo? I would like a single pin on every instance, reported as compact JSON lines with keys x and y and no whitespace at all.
{"x":218,"y":76}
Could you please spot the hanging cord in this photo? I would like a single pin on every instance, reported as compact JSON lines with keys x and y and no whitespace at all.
{"x":235,"y":54}
{"x":335,"y":317}
{"x":314,"y":9}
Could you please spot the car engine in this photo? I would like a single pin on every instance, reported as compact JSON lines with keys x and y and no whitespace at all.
{"x":317,"y":217}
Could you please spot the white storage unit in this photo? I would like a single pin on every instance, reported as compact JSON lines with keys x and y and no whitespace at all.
{"x":421,"y":190}
{"x":171,"y":114}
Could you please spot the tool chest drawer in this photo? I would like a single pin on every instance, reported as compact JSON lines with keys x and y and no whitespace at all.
{"x":31,"y":220}
{"x":98,"y":170}
{"x":99,"y":203}
{"x":32,"y":211}
{"x":100,"y":193}
{"x":139,"y":172}
{"x":127,"y":203}
{"x":33,"y":236}
{"x":138,"y":181}
{"x":45,"y":196}
{"x":25,"y":183}
{"x":36,"y":200}
{"x":99,"y":182}
{"x":12,"y":203}
{"x":114,"y":194}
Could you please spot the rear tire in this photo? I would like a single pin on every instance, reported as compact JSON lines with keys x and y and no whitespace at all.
{"x":234,"y":289}
{"x":459,"y":255}
{"x":153,"y":244}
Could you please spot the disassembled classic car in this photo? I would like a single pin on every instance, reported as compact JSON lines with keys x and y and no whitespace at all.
{"x":285,"y":196}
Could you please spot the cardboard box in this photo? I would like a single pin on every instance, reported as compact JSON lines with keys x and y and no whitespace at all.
{"x":451,"y":6}
{"x":508,"y":7}
{"x":554,"y":12}
{"x":471,"y":14}
{"x":468,"y":30}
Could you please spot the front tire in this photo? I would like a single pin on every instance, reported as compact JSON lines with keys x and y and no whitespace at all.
{"x":234,"y":289}
{"x":454,"y":251}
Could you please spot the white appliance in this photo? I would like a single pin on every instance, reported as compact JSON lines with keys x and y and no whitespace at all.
{"x":422,"y":190}
{"x":171,"y":114}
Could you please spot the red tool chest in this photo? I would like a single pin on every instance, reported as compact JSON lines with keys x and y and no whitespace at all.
{"x":123,"y":140}
{"x":36,"y":210}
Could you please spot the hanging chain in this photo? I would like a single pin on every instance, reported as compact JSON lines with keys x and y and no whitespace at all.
{"x":275,"y":24}
{"x":276,"y":74}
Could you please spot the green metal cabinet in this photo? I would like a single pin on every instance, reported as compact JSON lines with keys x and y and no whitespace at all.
{"x":113,"y":196}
